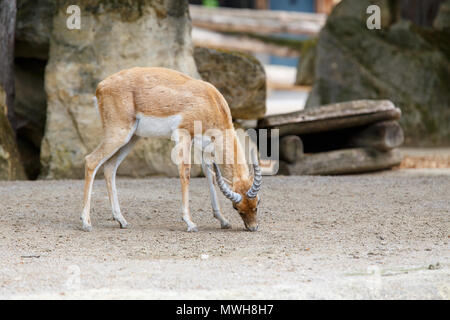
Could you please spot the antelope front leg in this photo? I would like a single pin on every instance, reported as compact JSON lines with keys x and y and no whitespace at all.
{"x":185,"y":174}
{"x":224,"y":224}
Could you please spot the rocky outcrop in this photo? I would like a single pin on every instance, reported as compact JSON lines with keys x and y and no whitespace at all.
{"x":238,"y":76}
{"x":30,"y":107}
{"x":113,"y":36}
{"x":401,"y":62}
{"x":10,"y":166}
{"x":34,"y":27}
{"x":306,"y":63}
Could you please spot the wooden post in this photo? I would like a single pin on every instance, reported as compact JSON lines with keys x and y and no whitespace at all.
{"x":262,"y":4}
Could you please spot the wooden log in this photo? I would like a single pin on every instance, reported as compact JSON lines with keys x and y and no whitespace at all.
{"x":8,"y":11}
{"x":343,"y":161}
{"x":215,"y":40}
{"x":332,"y":117}
{"x":291,"y":148}
{"x":256,"y":21}
{"x":383,"y":136}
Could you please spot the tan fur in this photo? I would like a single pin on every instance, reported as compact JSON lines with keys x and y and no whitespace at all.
{"x":160,"y":92}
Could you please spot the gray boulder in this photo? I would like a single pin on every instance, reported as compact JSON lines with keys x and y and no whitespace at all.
{"x":238,"y":76}
{"x":33,"y":28}
{"x":404,"y":63}
{"x":113,"y":36}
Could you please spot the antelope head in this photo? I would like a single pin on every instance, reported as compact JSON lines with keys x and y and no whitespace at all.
{"x":243,"y":195}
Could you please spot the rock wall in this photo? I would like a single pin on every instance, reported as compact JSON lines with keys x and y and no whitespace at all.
{"x":30,"y":107}
{"x":401,"y":62}
{"x":114,"y":36}
{"x":10,"y":166}
{"x":7,"y":27}
{"x":34,"y":27}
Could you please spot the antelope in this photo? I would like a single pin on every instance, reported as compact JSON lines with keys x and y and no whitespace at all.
{"x":158,"y":103}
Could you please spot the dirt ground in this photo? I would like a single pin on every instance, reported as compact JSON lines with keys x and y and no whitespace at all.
{"x":375,"y":236}
{"x":430,"y":158}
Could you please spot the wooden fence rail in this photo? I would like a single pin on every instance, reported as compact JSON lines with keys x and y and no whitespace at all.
{"x":256,"y":21}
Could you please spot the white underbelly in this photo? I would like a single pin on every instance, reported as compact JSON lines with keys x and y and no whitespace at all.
{"x":156,"y":127}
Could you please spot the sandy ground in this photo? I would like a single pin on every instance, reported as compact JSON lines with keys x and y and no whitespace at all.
{"x":419,"y":158}
{"x":377,"y":236}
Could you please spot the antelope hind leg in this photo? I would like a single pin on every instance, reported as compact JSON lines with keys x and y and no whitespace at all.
{"x":107,"y":148}
{"x":110,"y":170}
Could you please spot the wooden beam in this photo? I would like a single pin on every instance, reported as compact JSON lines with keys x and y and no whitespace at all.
{"x":291,"y":148}
{"x":345,"y":161}
{"x":332,"y":117}
{"x":256,"y":21}
{"x":215,"y":40}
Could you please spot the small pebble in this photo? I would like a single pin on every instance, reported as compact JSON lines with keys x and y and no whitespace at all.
{"x":434,"y":266}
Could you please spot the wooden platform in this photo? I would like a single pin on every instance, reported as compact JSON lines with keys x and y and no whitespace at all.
{"x":332,"y":117}
{"x":348,"y":137}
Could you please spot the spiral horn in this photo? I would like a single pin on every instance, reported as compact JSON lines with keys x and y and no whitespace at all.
{"x":225,"y":188}
{"x":257,"y":178}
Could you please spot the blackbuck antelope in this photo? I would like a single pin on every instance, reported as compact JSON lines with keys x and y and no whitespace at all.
{"x":159,"y":102}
